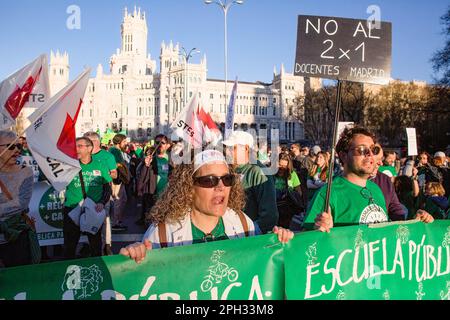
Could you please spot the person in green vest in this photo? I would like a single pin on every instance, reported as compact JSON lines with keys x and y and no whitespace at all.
{"x":288,"y":192}
{"x":96,"y":181}
{"x":261,"y":204}
{"x":119,"y":193}
{"x":98,"y":154}
{"x":354,"y":199}
{"x":24,"y":151}
{"x":161,"y":163}
{"x":388,"y":167}
{"x":203,"y":202}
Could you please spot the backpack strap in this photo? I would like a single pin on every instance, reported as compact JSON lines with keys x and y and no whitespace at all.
{"x":244,"y":222}
{"x":83,"y":189}
{"x":162,"y":234}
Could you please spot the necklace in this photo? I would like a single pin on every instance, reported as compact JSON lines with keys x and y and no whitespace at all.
{"x":367,"y":194}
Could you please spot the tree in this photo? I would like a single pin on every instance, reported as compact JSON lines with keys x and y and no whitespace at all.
{"x":400,"y":105}
{"x":441,"y":58}
{"x":316,"y":110}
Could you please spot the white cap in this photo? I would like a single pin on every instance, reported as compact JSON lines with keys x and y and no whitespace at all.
{"x":439,"y":154}
{"x":315,"y":150}
{"x":239,"y":137}
{"x":208,"y":156}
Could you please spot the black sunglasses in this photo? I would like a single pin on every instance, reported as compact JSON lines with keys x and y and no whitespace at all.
{"x":365,"y":151}
{"x":213,"y":181}
{"x":13,"y":146}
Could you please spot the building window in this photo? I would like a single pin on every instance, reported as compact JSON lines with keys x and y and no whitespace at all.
{"x":211,"y":96}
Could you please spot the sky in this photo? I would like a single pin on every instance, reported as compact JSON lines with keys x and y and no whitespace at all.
{"x":261,"y":33}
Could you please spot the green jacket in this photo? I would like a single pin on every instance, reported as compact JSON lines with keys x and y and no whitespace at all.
{"x":261,"y":203}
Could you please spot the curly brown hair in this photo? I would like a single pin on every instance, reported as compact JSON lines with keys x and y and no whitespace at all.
{"x":177,"y":198}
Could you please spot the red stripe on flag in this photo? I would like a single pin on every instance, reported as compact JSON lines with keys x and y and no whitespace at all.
{"x":20,"y":96}
{"x":66,"y":142}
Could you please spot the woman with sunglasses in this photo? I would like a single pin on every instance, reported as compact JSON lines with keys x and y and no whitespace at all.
{"x":202,"y":202}
{"x":18,"y":241}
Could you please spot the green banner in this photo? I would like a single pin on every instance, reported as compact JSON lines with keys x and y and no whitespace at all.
{"x":390,"y":261}
{"x":399,"y":261}
{"x":232,"y":269}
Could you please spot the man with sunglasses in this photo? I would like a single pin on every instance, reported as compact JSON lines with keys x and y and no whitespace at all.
{"x":107,"y":159}
{"x":261,"y":203}
{"x":94,"y":179}
{"x":354,"y":199}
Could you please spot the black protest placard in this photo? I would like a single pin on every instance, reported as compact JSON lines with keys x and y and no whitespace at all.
{"x":343,"y":49}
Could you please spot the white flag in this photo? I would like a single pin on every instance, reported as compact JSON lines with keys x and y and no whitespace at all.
{"x":27,"y":87}
{"x":52,"y":136}
{"x":229,"y":123}
{"x":195,"y":125}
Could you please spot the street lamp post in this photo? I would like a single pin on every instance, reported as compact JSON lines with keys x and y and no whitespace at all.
{"x":187,"y":55}
{"x":225,"y":5}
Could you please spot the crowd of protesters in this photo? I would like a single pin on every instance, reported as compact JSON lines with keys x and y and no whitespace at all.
{"x":395,"y":187}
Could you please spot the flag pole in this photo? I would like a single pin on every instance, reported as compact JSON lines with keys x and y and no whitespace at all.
{"x":333,"y":145}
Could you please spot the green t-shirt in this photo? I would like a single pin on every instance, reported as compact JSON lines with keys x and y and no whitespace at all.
{"x":25,"y":152}
{"x":350,"y":204}
{"x":106,"y":158}
{"x":388,"y":170}
{"x":139,"y":152}
{"x":117,"y":154}
{"x":218,"y":233}
{"x":163,"y":173}
{"x":280,"y":183}
{"x":95,"y":175}
{"x":260,"y":195}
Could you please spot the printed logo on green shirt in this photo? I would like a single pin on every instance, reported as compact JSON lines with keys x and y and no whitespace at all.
{"x":373,"y":213}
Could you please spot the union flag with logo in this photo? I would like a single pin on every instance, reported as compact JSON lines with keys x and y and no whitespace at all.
{"x":25,"y":88}
{"x":52,"y":137}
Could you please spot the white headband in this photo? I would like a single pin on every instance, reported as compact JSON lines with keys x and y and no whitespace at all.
{"x":208,"y":156}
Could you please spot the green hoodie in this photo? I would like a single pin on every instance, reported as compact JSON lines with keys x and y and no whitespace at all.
{"x":261,"y":203}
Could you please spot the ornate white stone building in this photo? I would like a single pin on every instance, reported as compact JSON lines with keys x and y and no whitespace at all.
{"x":137,"y":97}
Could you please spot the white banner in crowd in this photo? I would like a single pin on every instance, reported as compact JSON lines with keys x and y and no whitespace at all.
{"x":412,"y":141}
{"x":46,"y":208}
{"x":229,"y":123}
{"x":27,"y":87}
{"x":51,"y":137}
